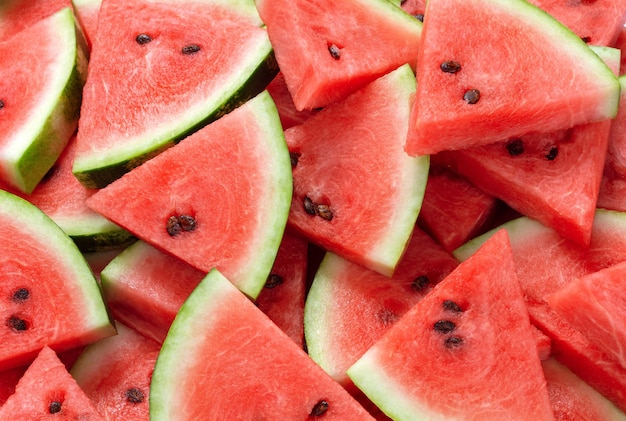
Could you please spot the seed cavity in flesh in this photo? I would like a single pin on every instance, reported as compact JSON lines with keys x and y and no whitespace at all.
{"x":17,"y":324}
{"x":319,"y":409}
{"x":334,"y":50}
{"x":20,"y":295}
{"x":295,"y":157}
{"x":273,"y":280}
{"x":190,"y":49}
{"x":515,"y":147}
{"x":420,"y":283}
{"x":143,"y":39}
{"x":450,"y":66}
{"x":55,"y":407}
{"x":1,"y":104}
{"x":444,"y":326}
{"x":177,"y":224}
{"x":471,"y":96}
{"x":552,"y":153}
{"x":453,"y":342}
{"x":134,"y":395}
{"x":322,"y":210}
{"x":450,"y":305}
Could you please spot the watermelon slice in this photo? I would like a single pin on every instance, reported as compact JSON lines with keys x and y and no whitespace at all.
{"x":592,"y":304}
{"x":455,"y":353}
{"x":39,"y":107}
{"x":322,"y":56}
{"x":48,"y":391}
{"x":17,"y":15}
{"x":115,"y":374}
{"x":163,"y":74}
{"x":220,"y":198}
{"x":52,"y":297}
{"x":356,"y":175}
{"x":504,"y":86}
{"x":199,"y":374}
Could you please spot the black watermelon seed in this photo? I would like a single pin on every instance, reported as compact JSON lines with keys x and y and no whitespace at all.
{"x":515,"y":147}
{"x":471,"y":96}
{"x":173,"y":226}
{"x":17,"y":324}
{"x":324,"y":212}
{"x":551,"y":155}
{"x":420,"y":17}
{"x":273,"y":281}
{"x":143,"y":39}
{"x":320,"y":408}
{"x":134,"y":395}
{"x":295,"y":157}
{"x":444,"y":326}
{"x":20,"y":295}
{"x":450,"y":305}
{"x":54,"y":407}
{"x":335,"y":52}
{"x":309,"y":206}
{"x":450,"y":66}
{"x":187,"y":222}
{"x":190,"y":49}
{"x":1,"y":104}
{"x":453,"y":342}
{"x":420,"y":283}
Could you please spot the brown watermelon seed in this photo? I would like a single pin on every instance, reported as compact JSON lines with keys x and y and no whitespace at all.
{"x":309,"y":206}
{"x":450,"y":305}
{"x":173,"y":226}
{"x":444,"y":326}
{"x":471,"y":96}
{"x":143,"y":39}
{"x":295,"y":157}
{"x":55,"y":407}
{"x":1,"y":104}
{"x":551,"y":155}
{"x":453,"y":342}
{"x":18,"y":324}
{"x":420,"y":283}
{"x":190,"y":49}
{"x":134,"y":395}
{"x":515,"y":147}
{"x":335,"y":52}
{"x":187,"y":222}
{"x":273,"y":281}
{"x":324,"y":212}
{"x":319,"y":409}
{"x":450,"y":66}
{"x":20,"y":295}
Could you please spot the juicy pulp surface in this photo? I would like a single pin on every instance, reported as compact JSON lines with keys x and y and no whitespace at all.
{"x":411,"y":374}
{"x":199,"y":374}
{"x":17,"y":15}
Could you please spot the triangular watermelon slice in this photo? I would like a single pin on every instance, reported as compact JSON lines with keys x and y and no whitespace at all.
{"x":48,"y":391}
{"x":466,"y":351}
{"x":526,"y":73}
{"x":356,"y":192}
{"x":220,"y":198}
{"x":224,"y":359}
{"x":165,"y":72}
{"x":329,"y":49}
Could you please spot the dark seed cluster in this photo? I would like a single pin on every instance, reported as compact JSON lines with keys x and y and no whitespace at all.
{"x":320,"y":408}
{"x":447,"y":327}
{"x":515,"y":147}
{"x":20,"y":295}
{"x":470,"y":96}
{"x":55,"y":407}
{"x":273,"y":280}
{"x":18,"y":324}
{"x":177,"y":224}
{"x":321,"y":210}
{"x":134,"y":395}
{"x":420,"y":283}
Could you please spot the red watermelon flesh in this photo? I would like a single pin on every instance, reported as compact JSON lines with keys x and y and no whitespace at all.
{"x":87,"y":15}
{"x":289,"y":115}
{"x":454,"y":210}
{"x":323,"y":57}
{"x":48,"y":391}
{"x":17,"y":15}
{"x":356,"y":175}
{"x":115,"y":374}
{"x":200,"y":368}
{"x":216,"y":179}
{"x":565,"y":261}
{"x":414,"y":7}
{"x":597,"y":22}
{"x":595,"y":304}
{"x":574,"y":400}
{"x":474,"y":102}
{"x":453,"y":355}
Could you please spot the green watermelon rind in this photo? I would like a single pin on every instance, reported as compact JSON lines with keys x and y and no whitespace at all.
{"x":195,"y":315}
{"x":99,"y":170}
{"x":56,"y":117}
{"x":53,"y":240}
{"x":93,"y":232}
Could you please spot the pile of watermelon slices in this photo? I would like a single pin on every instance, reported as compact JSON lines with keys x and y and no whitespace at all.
{"x":306,"y":209}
